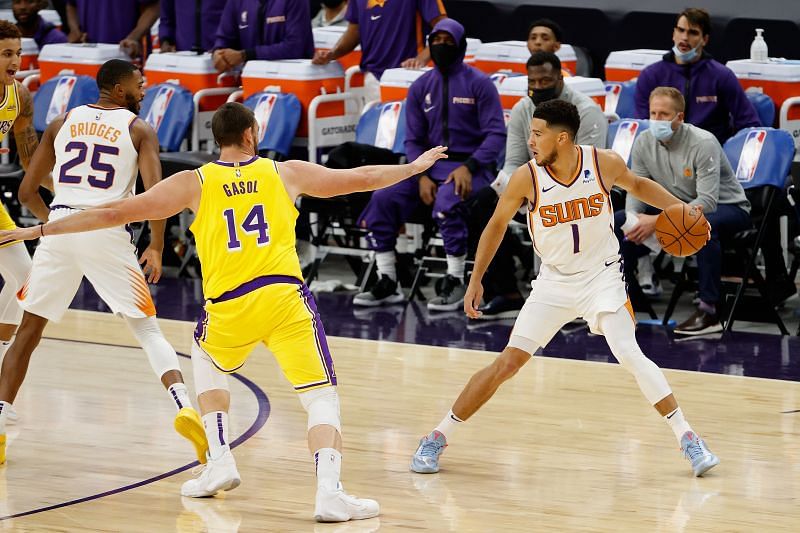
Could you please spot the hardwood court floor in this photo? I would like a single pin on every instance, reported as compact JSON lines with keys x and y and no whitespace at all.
{"x":565,"y":446}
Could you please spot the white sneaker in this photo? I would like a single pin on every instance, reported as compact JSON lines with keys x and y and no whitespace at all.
{"x":646,"y":276}
{"x":338,"y":506}
{"x":12,"y":417}
{"x":215,"y":475}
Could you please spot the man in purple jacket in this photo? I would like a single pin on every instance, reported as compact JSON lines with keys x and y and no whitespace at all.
{"x":189,"y":24}
{"x":31,"y":24}
{"x":452,"y":105}
{"x":126,"y":22}
{"x":261,"y":29}
{"x":715,"y":101}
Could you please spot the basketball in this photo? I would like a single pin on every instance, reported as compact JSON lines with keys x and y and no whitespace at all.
{"x":681,"y":230}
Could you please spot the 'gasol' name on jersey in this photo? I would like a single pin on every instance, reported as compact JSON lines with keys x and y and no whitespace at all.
{"x":240,"y":187}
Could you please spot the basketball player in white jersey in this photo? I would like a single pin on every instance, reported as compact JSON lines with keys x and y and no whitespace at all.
{"x":566,"y":188}
{"x":94,"y":153}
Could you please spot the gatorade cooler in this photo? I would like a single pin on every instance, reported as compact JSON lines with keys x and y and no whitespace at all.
{"x":396,"y":81}
{"x":626,"y":65}
{"x":779,"y":78}
{"x":190,"y":70}
{"x":473,"y":45}
{"x":300,"y":77}
{"x":327,"y":37}
{"x":515,"y":87}
{"x":511,"y":56}
{"x":30,"y":54}
{"x":83,"y":59}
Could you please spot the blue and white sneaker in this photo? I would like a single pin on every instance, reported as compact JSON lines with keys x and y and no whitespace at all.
{"x":426,"y":458}
{"x":695,"y":449}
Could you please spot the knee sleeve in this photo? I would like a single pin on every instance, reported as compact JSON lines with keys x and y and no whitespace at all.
{"x":159,"y":352}
{"x":322,"y":406}
{"x":15,"y":265}
{"x":620,"y":334}
{"x":206,"y":376}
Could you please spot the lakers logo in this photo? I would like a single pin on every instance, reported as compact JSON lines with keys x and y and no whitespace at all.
{"x":5,"y":126}
{"x":571,"y":210}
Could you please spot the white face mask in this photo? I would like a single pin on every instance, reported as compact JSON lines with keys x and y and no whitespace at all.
{"x":662,"y":129}
{"x":685,"y":57}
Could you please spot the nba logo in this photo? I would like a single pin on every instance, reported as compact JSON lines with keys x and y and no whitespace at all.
{"x":387,"y":125}
{"x":612,"y":96}
{"x":60,"y":100}
{"x":159,"y":107}
{"x":498,"y":78}
{"x":263,"y":111}
{"x":751,"y":153}
{"x":623,"y":141}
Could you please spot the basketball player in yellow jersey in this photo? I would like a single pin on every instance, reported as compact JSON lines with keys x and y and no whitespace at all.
{"x":253,"y":288}
{"x":566,"y":188}
{"x":16,"y":111}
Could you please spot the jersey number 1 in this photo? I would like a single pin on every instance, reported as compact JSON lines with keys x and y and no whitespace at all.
{"x":100,"y":182}
{"x":254,"y":222}
{"x":576,"y":239}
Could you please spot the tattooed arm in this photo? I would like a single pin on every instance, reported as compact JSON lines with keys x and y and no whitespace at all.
{"x":25,"y":134}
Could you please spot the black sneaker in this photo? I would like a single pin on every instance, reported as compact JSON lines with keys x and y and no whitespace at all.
{"x":501,"y":307}
{"x":385,"y":292}
{"x":700,"y":323}
{"x":449,"y":294}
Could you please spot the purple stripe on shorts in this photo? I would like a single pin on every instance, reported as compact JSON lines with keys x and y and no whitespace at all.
{"x":254,"y":284}
{"x":319,"y":333}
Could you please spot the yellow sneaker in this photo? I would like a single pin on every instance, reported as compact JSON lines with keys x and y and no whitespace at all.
{"x":2,"y":449}
{"x":190,"y":427}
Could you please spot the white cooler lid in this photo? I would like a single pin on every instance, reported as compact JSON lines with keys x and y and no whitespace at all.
{"x":7,"y":14}
{"x":29,"y":46}
{"x":473,"y":45}
{"x":327,"y":36}
{"x":787,"y":70}
{"x":292,"y":69}
{"x":518,"y":86}
{"x":514,"y":86}
{"x":84,"y":53}
{"x":401,"y":77}
{"x":517,"y":52}
{"x":181,"y":63}
{"x":634,"y":59}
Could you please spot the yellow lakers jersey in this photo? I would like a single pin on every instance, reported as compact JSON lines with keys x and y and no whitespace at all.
{"x":9,"y":109}
{"x":244,"y":226}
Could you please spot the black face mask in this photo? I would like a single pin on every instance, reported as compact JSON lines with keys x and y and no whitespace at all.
{"x":542,"y":95}
{"x":444,"y":56}
{"x":332,"y":3}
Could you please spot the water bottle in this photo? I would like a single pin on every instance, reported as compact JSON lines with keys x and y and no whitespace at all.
{"x":758,"y":50}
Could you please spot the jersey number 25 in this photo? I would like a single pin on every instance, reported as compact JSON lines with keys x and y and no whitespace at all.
{"x":98,"y":150}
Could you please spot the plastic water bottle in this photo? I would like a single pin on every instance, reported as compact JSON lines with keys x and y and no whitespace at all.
{"x":758,"y":50}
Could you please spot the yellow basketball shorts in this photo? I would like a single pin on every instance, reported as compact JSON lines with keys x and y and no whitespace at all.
{"x":5,"y":224}
{"x":278,"y":311}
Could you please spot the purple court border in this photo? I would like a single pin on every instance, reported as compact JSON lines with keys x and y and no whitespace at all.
{"x":261,"y":419}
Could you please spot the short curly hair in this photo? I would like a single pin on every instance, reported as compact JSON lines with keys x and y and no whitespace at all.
{"x":9,"y":30}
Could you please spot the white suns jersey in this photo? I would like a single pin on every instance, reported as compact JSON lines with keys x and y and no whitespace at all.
{"x":572,"y":226}
{"x":96,"y":161}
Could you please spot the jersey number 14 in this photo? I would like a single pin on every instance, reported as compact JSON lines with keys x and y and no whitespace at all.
{"x":254,"y":223}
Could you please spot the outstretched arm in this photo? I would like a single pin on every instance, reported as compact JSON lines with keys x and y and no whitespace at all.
{"x":615,"y":172}
{"x":300,"y":177}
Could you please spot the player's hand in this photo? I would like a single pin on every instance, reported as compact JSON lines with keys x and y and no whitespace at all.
{"x":700,"y":208}
{"x":322,"y":57}
{"x":427,"y":190}
{"x":132,"y":47}
{"x":76,"y":36}
{"x":426,"y":160}
{"x":463,"y":181}
{"x":151,"y":264}
{"x":645,"y":227}
{"x":413,"y":63}
{"x":219,"y":60}
{"x":21,"y":234}
{"x":472,"y":298}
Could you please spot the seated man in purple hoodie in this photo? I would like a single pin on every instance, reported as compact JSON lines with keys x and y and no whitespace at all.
{"x":261,"y":29}
{"x":31,"y":24}
{"x":715,"y":101}
{"x":126,"y":22}
{"x":452,"y":105}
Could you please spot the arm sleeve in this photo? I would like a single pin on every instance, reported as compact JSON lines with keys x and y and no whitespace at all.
{"x":490,"y":118}
{"x":298,"y":42}
{"x":641,"y":97}
{"x":430,"y":9}
{"x":743,"y":114}
{"x":708,"y":174}
{"x":228,"y":30}
{"x":416,"y":125}
{"x":639,"y":168}
{"x":593,"y":129}
{"x":351,"y":15}
{"x":166,"y":27}
{"x":517,"y":153}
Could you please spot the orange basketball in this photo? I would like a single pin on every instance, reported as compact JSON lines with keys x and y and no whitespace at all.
{"x":681,"y":230}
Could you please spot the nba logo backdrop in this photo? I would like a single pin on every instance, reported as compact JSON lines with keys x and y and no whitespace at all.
{"x":751,"y":153}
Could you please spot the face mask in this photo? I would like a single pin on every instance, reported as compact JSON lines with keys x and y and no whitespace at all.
{"x":332,"y":3}
{"x":444,"y":56}
{"x":662,"y":129}
{"x":686,"y":57}
{"x":542,"y":95}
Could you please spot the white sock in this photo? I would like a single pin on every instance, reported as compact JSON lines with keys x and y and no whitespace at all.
{"x":678,"y":424}
{"x":4,"y":408}
{"x":216,"y":425}
{"x":3,"y":347}
{"x":328,"y":463}
{"x":448,"y":424}
{"x":456,"y":265}
{"x":387,"y":264}
{"x":180,"y":395}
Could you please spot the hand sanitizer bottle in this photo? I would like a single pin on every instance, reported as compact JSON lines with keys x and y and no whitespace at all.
{"x":758,"y":50}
